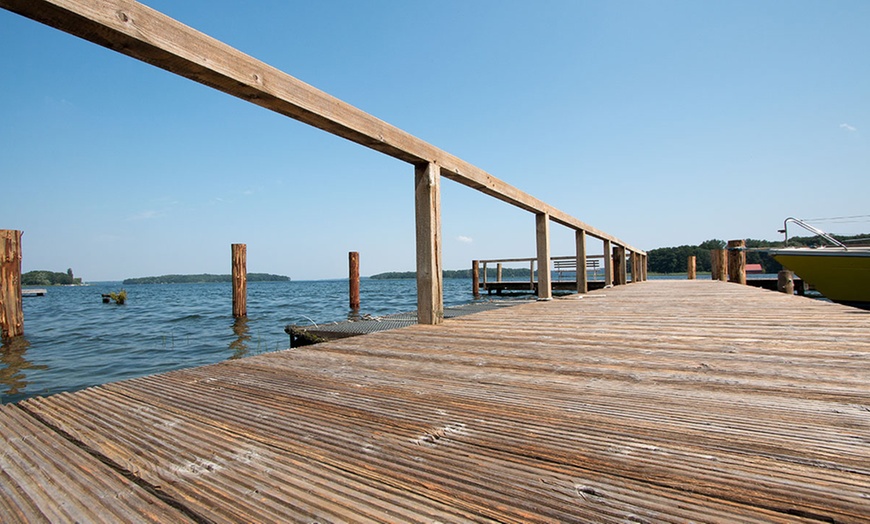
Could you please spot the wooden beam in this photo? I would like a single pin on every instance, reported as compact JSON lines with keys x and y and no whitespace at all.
{"x":608,"y":264}
{"x":542,"y":240}
{"x":11,"y":308}
{"x":580,"y":242}
{"x":427,"y":197}
{"x":138,"y":31}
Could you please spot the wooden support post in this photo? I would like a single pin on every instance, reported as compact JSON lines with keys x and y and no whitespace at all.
{"x":737,"y":261}
{"x":498,"y":272}
{"x":635,"y":270}
{"x":608,"y":265}
{"x":11,"y":309}
{"x":785,"y":282}
{"x":691,"y":267}
{"x":427,"y":203}
{"x":719,"y":262}
{"x":353,"y":279}
{"x":542,"y":240}
{"x":240,"y":280}
{"x":475,"y":278}
{"x":619,"y":270}
{"x":643,"y":267}
{"x":582,"y":279}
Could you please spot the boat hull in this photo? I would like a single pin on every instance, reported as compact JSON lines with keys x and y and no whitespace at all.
{"x":840,"y":275}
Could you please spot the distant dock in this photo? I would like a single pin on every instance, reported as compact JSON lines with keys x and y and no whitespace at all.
{"x":33,"y":292}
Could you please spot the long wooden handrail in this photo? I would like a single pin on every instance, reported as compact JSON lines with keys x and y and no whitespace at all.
{"x":138,"y":31}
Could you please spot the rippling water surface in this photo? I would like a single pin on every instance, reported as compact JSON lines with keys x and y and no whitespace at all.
{"x":72,"y":340}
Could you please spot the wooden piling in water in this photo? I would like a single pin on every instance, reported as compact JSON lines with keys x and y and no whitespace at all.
{"x":353,"y":279}
{"x":11,"y":309}
{"x":240,"y":284}
{"x":691,"y":268}
{"x":737,"y":261}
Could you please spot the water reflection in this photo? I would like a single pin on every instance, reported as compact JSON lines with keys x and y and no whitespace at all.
{"x":14,"y":364}
{"x":240,"y":345}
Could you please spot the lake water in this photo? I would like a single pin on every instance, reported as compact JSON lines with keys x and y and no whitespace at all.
{"x":72,"y":340}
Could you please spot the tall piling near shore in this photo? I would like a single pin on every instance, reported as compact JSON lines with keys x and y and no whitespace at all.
{"x":11,"y":310}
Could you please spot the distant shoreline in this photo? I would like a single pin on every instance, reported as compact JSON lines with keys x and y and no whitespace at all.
{"x":203,"y":278}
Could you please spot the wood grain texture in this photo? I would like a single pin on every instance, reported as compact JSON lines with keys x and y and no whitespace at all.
{"x":11,"y":307}
{"x":665,"y":401}
{"x":542,"y":243}
{"x":427,"y":203}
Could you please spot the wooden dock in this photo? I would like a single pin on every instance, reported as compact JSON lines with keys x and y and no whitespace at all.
{"x":663,"y":401}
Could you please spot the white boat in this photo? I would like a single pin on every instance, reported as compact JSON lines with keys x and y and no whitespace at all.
{"x":839,"y":272}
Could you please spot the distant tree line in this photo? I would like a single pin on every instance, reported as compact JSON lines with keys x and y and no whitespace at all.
{"x":203,"y":278}
{"x":49,"y":278}
{"x":674,"y":259}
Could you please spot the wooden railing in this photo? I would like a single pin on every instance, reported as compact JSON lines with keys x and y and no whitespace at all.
{"x":148,"y":35}
{"x":480,"y":270}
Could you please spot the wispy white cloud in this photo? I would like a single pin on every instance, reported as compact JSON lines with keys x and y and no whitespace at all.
{"x":464,"y":239}
{"x":847,"y":127}
{"x":146,"y":215}
{"x":248,"y":192}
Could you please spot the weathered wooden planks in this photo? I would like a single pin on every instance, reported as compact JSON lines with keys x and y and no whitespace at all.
{"x":45,"y":478}
{"x":671,"y":401}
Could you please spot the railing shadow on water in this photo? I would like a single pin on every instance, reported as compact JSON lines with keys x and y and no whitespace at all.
{"x":14,"y":364}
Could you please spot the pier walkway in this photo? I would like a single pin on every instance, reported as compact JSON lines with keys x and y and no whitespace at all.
{"x":662,"y":401}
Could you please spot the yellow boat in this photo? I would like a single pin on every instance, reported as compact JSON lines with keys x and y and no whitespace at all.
{"x":839,"y":272}
{"x":841,"y":275}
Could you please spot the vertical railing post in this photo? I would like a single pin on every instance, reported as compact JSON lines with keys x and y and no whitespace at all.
{"x":580,"y":242}
{"x":737,"y":261}
{"x":240,"y":284}
{"x":608,"y":264}
{"x":11,"y":308}
{"x":498,"y":272}
{"x":632,"y":258}
{"x":691,"y":267}
{"x":620,"y":277}
{"x":542,"y":241}
{"x":353,"y":279}
{"x":427,"y":204}
{"x":475,"y":278}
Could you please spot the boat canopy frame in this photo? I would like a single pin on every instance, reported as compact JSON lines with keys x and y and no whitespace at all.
{"x":811,"y":229}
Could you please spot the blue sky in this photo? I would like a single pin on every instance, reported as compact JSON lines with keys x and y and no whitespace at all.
{"x":662,"y":123}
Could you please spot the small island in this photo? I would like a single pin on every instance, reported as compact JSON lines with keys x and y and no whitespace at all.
{"x":203,"y":278}
{"x":50,"y":278}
